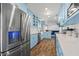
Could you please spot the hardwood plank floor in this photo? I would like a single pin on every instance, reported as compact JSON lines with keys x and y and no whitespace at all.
{"x":46,"y":47}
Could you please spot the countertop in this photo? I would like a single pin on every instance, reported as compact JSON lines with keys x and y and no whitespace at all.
{"x":69,"y":44}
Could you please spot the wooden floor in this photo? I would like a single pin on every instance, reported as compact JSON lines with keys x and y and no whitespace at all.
{"x":46,"y":47}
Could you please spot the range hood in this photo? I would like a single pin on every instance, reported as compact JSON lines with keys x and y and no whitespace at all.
{"x":73,"y":8}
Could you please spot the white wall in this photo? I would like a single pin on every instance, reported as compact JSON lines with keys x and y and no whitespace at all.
{"x":52,"y":27}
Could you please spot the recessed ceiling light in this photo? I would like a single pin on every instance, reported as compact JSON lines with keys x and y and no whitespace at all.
{"x":47,"y":13}
{"x":46,"y":8}
{"x":48,"y":16}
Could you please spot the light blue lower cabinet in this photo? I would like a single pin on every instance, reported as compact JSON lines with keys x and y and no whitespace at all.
{"x":46,"y":35}
{"x":33,"y":40}
{"x":58,"y":48}
{"x":59,"y":52}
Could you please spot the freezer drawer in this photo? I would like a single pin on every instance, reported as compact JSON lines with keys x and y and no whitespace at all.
{"x":13,"y":52}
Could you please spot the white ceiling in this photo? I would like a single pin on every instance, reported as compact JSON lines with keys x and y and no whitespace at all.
{"x":39,"y":10}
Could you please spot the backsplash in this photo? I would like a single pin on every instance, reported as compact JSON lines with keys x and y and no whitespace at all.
{"x":72,"y":30}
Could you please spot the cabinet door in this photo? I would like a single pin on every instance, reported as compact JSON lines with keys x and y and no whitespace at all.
{"x":58,"y":48}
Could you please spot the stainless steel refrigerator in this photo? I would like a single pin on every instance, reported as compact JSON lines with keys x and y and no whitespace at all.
{"x":14,"y":31}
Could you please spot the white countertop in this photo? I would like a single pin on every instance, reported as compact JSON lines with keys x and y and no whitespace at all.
{"x":69,"y":44}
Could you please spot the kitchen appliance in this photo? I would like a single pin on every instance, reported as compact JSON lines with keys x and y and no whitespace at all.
{"x":73,"y":8}
{"x":11,"y":37}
